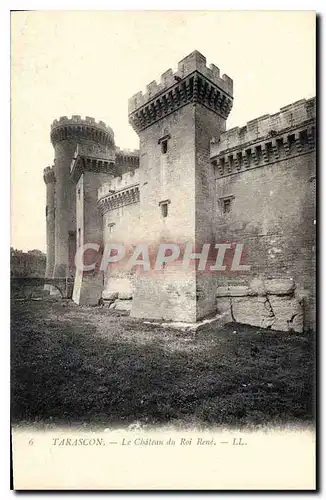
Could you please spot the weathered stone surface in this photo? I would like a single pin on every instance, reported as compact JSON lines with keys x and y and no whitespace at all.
{"x":255,"y":311}
{"x":125,"y":294}
{"x":224,"y":308}
{"x":302,"y":294}
{"x":257,"y":286}
{"x":267,"y":322}
{"x":123,"y":305}
{"x":297,"y":323}
{"x":222,"y":291}
{"x":247,"y":310}
{"x":239,"y":291}
{"x":109,"y":295}
{"x":234,"y":291}
{"x":288,"y":313}
{"x":279,"y":286}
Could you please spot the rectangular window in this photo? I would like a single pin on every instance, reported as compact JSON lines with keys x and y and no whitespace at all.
{"x":111,"y":226}
{"x":226,"y":206}
{"x":164,"y":147}
{"x":164,"y":208}
{"x":163,"y":141}
{"x":79,"y":236}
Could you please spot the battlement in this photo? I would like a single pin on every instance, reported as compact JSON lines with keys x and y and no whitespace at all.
{"x":119,"y":184}
{"x":86,"y":128}
{"x":127,"y":152}
{"x":48,"y":175}
{"x":191,"y":63}
{"x":127,"y":157}
{"x":267,"y":139}
{"x":288,"y":117}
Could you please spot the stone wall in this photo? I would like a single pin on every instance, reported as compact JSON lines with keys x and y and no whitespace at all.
{"x":271,"y":303}
{"x":269,"y":182}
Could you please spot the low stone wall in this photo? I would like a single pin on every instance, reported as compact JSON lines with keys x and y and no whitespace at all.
{"x":118,"y":295}
{"x":271,"y":303}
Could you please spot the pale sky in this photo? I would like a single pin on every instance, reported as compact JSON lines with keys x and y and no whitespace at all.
{"x":90,"y":63}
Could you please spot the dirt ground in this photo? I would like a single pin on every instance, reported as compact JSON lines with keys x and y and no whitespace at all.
{"x":82,"y":365}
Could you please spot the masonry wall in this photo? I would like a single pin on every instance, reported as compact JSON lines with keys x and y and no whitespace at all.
{"x":50,"y":229}
{"x":89,"y":285}
{"x":65,"y":203}
{"x":208,"y":124}
{"x":273,"y":215}
{"x":121,"y":225}
{"x":170,"y":177}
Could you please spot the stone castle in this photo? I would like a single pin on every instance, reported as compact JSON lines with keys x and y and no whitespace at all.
{"x":192,"y":180}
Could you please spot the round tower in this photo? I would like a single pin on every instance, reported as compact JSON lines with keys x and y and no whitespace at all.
{"x":66,"y":134}
{"x":49,"y":179}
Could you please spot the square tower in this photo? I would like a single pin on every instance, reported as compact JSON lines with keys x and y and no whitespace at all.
{"x":175,"y":121}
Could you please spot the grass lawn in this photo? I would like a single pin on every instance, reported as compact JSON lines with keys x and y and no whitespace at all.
{"x":81,"y":365}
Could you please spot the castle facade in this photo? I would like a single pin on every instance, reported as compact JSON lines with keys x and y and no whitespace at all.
{"x":192,"y":182}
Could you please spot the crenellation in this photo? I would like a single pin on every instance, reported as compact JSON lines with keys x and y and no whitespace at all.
{"x":215,"y":72}
{"x":291,"y":116}
{"x":78,"y":120}
{"x":118,"y":183}
{"x":113,"y":199}
{"x":81,"y":129}
{"x":49,"y":175}
{"x":265,"y":151}
{"x":190,"y":64}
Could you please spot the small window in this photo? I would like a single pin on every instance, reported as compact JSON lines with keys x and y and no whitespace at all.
{"x":163,"y":141}
{"x":79,"y":237}
{"x":164,"y":147}
{"x":164,"y":208}
{"x":79,"y":193}
{"x":226,"y":206}
{"x":111,"y":226}
{"x":46,"y":210}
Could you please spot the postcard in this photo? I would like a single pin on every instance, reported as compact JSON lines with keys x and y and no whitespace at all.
{"x":163,"y":253}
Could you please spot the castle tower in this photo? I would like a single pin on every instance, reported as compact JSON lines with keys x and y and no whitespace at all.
{"x":49,"y":179}
{"x":66,"y":134}
{"x":175,"y":121}
{"x":90,"y":169}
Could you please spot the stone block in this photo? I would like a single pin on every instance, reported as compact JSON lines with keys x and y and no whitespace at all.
{"x":123,"y":305}
{"x":279,"y":286}
{"x":288,"y":313}
{"x":222,"y":291}
{"x":255,"y":311}
{"x":109,"y":295}
{"x":257,"y":287}
{"x":302,"y":295}
{"x":224,"y":308}
{"x":298,"y":323}
{"x":240,"y":291}
{"x":247,"y":310}
{"x":125,"y":294}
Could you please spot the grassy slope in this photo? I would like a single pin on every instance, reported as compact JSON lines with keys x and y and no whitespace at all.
{"x":83,"y":365}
